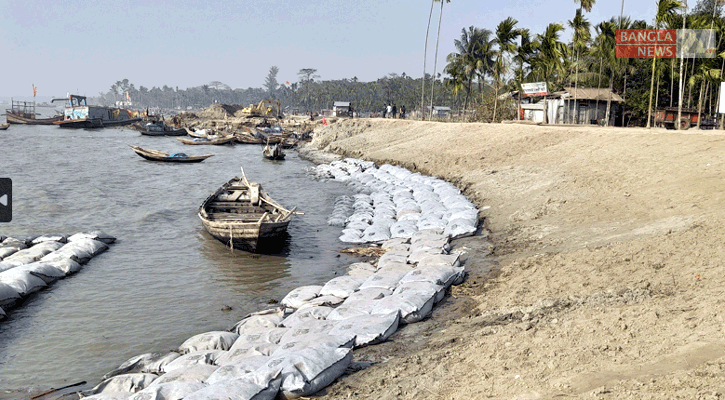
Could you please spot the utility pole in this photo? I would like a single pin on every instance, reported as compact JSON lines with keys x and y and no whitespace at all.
{"x":682,"y":61}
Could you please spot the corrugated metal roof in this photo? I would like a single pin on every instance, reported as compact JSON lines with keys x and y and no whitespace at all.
{"x":602,"y":94}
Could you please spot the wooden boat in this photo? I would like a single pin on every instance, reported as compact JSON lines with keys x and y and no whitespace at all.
{"x":242,"y":215}
{"x":159,"y":129}
{"x":155,"y":155}
{"x":23,"y":112}
{"x":219,"y":140}
{"x":273,"y":153}
{"x":245,"y":138}
{"x":78,"y":114}
{"x":4,"y":126}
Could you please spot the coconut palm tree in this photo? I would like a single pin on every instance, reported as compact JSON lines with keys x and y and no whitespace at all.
{"x":550,"y":55}
{"x":506,"y":34}
{"x":605,"y":48}
{"x":581,"y":39}
{"x":473,"y":56}
{"x":665,"y":16}
{"x":585,"y":4}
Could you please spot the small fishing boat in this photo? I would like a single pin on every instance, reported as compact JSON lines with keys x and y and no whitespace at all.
{"x":242,"y":215}
{"x":79,"y":114}
{"x":159,"y":129}
{"x":155,"y":155}
{"x":4,"y":126}
{"x":211,"y":140}
{"x":273,"y":153}
{"x":23,"y":113}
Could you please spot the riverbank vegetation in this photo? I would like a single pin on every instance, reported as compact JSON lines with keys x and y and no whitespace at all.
{"x":491,"y":62}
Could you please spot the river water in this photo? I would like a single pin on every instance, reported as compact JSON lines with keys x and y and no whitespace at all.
{"x":165,"y":279}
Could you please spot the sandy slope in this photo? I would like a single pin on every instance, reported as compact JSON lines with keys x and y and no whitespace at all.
{"x":608,"y":274}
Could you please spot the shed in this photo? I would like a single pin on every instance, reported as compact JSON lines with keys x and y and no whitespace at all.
{"x":341,"y":108}
{"x":589,"y":107}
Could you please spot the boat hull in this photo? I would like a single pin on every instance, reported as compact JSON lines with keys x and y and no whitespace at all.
{"x":21,"y":120}
{"x":93,"y":123}
{"x":246,"y":236}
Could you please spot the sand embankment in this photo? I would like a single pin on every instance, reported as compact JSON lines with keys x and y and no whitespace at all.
{"x":609,"y":257}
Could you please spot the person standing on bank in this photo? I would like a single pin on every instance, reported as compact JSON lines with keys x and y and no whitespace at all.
{"x":395,"y":111}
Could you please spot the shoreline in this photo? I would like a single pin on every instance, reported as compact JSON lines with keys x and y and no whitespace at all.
{"x":608,"y":244}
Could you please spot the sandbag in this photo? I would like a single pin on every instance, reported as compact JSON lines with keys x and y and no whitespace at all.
{"x":460,"y":227}
{"x":413,"y":306}
{"x":368,"y":329}
{"x":95,"y":235}
{"x":126,"y":383}
{"x":298,"y":296}
{"x":142,"y":363}
{"x":49,"y":238}
{"x":193,"y":374}
{"x":46,"y":272}
{"x":67,"y":265}
{"x":109,"y":396}
{"x":269,"y":335}
{"x":341,"y":286}
{"x":8,"y":295}
{"x":34,"y":253}
{"x":304,"y":329}
{"x":246,"y":387}
{"x":361,"y":270}
{"x":242,"y":351}
{"x":236,"y":368}
{"x":428,"y":260}
{"x":322,"y":301}
{"x":168,"y":391}
{"x":306,"y":314}
{"x":23,"y":282}
{"x":387,"y":279}
{"x":442,"y":275}
{"x":259,"y":320}
{"x":195,"y":358}
{"x":436,"y":290}
{"x":216,"y":340}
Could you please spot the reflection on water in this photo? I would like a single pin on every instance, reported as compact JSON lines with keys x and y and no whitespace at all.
{"x":165,"y":279}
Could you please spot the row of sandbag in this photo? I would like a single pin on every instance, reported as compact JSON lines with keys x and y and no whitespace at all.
{"x":299,"y":348}
{"x":395,"y":203}
{"x":29,"y":265}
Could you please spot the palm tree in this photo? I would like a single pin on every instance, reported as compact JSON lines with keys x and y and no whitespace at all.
{"x":435,"y":58}
{"x":665,"y":15}
{"x":524,"y":52}
{"x":581,"y":39}
{"x":551,"y":53}
{"x":473,"y":56}
{"x":425,"y":55}
{"x":505,"y":37}
{"x":585,"y":4}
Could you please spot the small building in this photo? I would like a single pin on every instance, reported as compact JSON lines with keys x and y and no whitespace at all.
{"x":341,"y":109}
{"x":587,"y":105}
{"x":441,"y":111}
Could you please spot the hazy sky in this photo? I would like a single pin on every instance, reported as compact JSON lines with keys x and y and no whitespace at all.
{"x":84,"y":47}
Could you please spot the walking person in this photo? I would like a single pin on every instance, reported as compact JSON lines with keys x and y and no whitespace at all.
{"x":402,"y":112}
{"x":395,"y":111}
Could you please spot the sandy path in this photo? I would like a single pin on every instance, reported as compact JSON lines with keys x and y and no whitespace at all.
{"x":609,"y":244}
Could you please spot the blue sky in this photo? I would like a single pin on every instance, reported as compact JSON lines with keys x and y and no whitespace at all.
{"x":84,"y":47}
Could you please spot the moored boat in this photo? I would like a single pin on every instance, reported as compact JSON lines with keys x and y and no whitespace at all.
{"x":78,"y":114}
{"x":155,"y":155}
{"x":273,"y":153}
{"x":242,"y":215}
{"x":4,"y":126}
{"x":159,"y":129}
{"x":23,"y":113}
{"x":219,"y":140}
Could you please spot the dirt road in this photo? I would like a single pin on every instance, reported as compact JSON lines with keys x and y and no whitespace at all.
{"x":608,"y":264}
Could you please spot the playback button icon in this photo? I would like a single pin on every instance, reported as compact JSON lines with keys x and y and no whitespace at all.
{"x":6,"y":199}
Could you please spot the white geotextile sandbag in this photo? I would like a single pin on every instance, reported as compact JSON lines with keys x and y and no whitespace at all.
{"x":345,"y":339}
{"x":95,"y":235}
{"x":322,"y":301}
{"x":78,"y":252}
{"x":351,"y":236}
{"x":430,"y":241}
{"x":413,"y":306}
{"x":236,"y":368}
{"x":94,"y":247}
{"x":440,"y":275}
{"x":469,"y":215}
{"x":421,"y":253}
{"x":367,"y":295}
{"x":49,"y":238}
{"x":207,"y":357}
{"x":429,"y":260}
{"x":126,"y":383}
{"x":296,"y":297}
{"x":342,"y":286}
{"x":67,"y":265}
{"x":157,"y":364}
{"x":168,"y":391}
{"x":8,"y":295}
{"x":366,"y":217}
{"x":397,"y":256}
{"x":23,"y":282}
{"x":109,"y":396}
{"x":375,"y":234}
{"x":19,"y":259}
{"x":438,"y":291}
{"x":355,"y":226}
{"x":428,"y":234}
{"x":306,"y":314}
{"x":311,"y":327}
{"x":337,"y":220}
{"x":215,"y":340}
{"x":4,"y":266}
{"x":361,"y":270}
{"x":269,"y":335}
{"x":403,"y":229}
{"x":141,"y":362}
{"x":459,"y":227}
{"x":431,"y":221}
{"x":194,"y":374}
{"x":259,"y":320}
{"x":36,"y":252}
{"x":309,"y":370}
{"x":46,"y":272}
{"x":2,"y":314}
{"x":387,"y":279}
{"x":246,"y":387}
{"x":398,"y":244}
{"x":351,"y":310}
{"x":243,"y":351}
{"x":368,"y":329}
{"x":10,"y":247}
